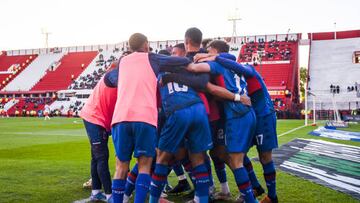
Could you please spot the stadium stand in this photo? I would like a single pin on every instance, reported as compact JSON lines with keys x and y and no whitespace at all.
{"x":33,"y":73}
{"x":92,"y":74}
{"x":276,"y":59}
{"x":68,"y":74}
{"x":26,"y":106}
{"x":333,"y":71}
{"x":12,"y":66}
{"x":68,"y":69}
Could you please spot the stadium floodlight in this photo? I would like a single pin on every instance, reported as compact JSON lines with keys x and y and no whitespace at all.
{"x":234,"y":17}
{"x":46,"y":33}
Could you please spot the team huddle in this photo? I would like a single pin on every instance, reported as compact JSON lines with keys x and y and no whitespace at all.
{"x":180,"y":109}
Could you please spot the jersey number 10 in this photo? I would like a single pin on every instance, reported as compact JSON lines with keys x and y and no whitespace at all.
{"x":175,"y":87}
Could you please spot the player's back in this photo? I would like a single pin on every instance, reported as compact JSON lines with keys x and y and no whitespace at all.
{"x":260,"y":99}
{"x":99,"y":108}
{"x":136,"y":90}
{"x":175,"y":96}
{"x":235,"y":84}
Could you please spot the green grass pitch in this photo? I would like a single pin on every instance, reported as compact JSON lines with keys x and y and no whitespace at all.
{"x":48,"y":162}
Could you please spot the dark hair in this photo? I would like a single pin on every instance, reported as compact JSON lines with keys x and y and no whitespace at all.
{"x":220,"y":46}
{"x":136,"y":41}
{"x":195,"y":35}
{"x":205,"y":43}
{"x":180,"y":46}
{"x":164,"y":52}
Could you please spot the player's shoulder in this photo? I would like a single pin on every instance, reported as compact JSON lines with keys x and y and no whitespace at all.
{"x":215,"y":67}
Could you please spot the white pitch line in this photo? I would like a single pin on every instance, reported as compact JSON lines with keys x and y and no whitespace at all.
{"x":292,"y":130}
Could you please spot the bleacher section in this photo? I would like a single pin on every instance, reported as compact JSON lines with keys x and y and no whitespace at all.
{"x":68,"y":74}
{"x":277,"y":62}
{"x":33,"y":73}
{"x":11,"y":66}
{"x":331,"y":64}
{"x":102,"y":61}
{"x":25,"y":105}
{"x":71,"y":66}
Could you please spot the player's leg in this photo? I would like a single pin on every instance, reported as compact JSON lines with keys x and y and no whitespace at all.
{"x":207,"y":161}
{"x":199,"y":142}
{"x":124,"y":144}
{"x":266,"y":142}
{"x":96,"y":183}
{"x":183,"y":157}
{"x":159,"y":176}
{"x":218,"y":156}
{"x":142,"y":184}
{"x":270,"y":176}
{"x":145,"y":142}
{"x":179,"y":171}
{"x":130,"y":182}
{"x":183,"y":184}
{"x":257,"y":188}
{"x":102,"y":157}
{"x":169,"y":141}
{"x":94,"y":133}
{"x":239,"y":135}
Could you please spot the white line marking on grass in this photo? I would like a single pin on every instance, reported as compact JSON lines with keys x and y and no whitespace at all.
{"x":292,"y":130}
{"x":77,"y":122}
{"x":82,"y":200}
{"x":43,"y":133}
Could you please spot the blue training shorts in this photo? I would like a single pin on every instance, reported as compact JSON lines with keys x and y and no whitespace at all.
{"x":265,"y":137}
{"x":240,"y":132}
{"x":137,"y":137}
{"x":190,"y":124}
{"x":218,"y":132}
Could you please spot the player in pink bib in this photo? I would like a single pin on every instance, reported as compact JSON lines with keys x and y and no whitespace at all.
{"x":97,"y":114}
{"x":135,"y":117}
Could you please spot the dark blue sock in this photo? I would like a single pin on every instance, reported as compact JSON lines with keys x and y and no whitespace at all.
{"x":188,"y":168}
{"x":249,"y":168}
{"x":208,"y":166}
{"x":178,"y":169}
{"x":158,"y":181}
{"x":220,"y":169}
{"x":130,"y":181}
{"x":202,"y":183}
{"x":118,"y":188}
{"x":270,"y":178}
{"x":142,"y":187}
{"x":244,"y":185}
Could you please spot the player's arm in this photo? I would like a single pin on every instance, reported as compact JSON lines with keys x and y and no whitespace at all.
{"x":196,"y":81}
{"x":226,"y":94}
{"x":238,"y":68}
{"x":228,"y":61}
{"x":164,"y":63}
{"x":209,"y":87}
{"x":211,"y":57}
{"x":111,"y":78}
{"x":199,"y":68}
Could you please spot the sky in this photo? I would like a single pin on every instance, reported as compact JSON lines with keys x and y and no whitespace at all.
{"x":86,"y":22}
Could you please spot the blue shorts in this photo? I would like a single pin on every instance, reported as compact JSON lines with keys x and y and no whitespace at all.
{"x":265,"y":137}
{"x":137,"y":137}
{"x":218,"y":132}
{"x":240,"y":132}
{"x":190,"y":124}
{"x":98,"y":137}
